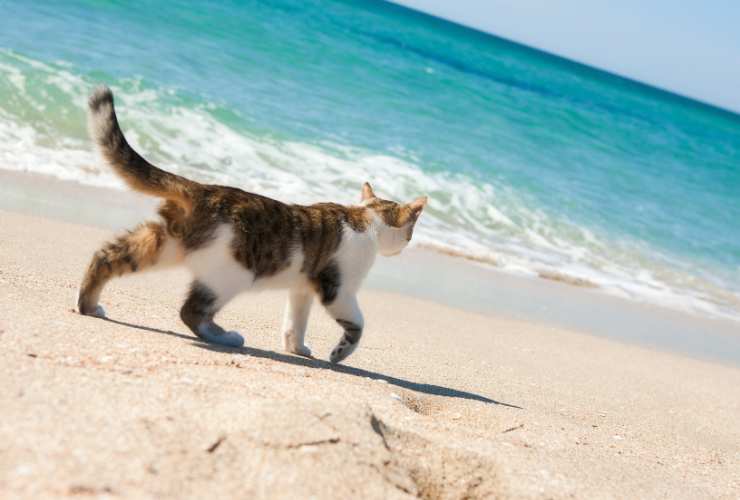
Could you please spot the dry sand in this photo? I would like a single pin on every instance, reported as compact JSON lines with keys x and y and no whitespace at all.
{"x":436,"y":403}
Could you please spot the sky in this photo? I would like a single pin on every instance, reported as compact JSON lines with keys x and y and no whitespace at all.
{"x":690,"y":47}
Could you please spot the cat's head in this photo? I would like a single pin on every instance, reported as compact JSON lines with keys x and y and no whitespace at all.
{"x":396,"y":220}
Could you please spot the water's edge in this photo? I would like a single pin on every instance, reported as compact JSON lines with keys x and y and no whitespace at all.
{"x":427,"y":275}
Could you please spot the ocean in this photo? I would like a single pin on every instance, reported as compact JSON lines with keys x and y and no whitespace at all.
{"x":533,"y":164}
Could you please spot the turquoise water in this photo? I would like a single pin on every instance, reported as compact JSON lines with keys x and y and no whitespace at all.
{"x":531,"y":161}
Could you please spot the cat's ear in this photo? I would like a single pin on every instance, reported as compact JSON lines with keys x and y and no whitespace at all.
{"x":367,"y":192}
{"x":417,"y":206}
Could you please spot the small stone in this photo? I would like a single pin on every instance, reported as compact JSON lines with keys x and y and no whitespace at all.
{"x":23,"y":470}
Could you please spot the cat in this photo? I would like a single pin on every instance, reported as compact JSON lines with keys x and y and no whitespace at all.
{"x":233,"y":241}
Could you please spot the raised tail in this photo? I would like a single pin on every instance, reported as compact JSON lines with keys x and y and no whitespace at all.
{"x":138,"y":173}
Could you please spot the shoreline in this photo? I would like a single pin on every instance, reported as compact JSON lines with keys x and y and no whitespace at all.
{"x":428,"y":274}
{"x":437,"y":402}
{"x":143,"y":207}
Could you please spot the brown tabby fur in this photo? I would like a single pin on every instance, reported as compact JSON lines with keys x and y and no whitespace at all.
{"x":266,"y":231}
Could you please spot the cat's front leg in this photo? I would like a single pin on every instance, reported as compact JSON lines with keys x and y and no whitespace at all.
{"x":295,"y":322}
{"x":346,"y":311}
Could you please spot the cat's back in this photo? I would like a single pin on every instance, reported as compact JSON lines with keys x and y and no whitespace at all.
{"x":268,"y":232}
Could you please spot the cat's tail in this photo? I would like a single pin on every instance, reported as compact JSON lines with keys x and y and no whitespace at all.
{"x":138,"y":173}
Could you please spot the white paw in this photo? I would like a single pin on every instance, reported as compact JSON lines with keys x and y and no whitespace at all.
{"x":293,"y":343}
{"x":99,"y":312}
{"x":300,"y":351}
{"x":220,"y":337}
{"x":233,"y":339}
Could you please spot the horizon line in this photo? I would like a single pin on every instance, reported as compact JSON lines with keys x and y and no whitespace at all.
{"x":735,"y":114}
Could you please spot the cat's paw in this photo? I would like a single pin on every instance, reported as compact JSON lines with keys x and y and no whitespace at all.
{"x":300,"y":351}
{"x":293,"y":344}
{"x":97,"y":311}
{"x":228,"y":339}
{"x":341,"y":351}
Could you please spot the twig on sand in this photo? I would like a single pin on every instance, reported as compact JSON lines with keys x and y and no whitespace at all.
{"x":520,"y":426}
{"x":216,"y":444}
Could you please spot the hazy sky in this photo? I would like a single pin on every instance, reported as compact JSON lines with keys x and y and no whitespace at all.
{"x":691,"y":47}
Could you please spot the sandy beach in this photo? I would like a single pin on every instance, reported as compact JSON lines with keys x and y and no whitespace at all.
{"x":438,"y":402}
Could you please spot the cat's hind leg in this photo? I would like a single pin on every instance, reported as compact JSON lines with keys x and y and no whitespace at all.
{"x":197,"y":313}
{"x":142,"y":248}
{"x":346,"y":311}
{"x":296,"y":320}
{"x":218,"y":279}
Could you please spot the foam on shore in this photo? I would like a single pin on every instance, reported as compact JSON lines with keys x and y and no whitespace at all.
{"x":42,"y":130}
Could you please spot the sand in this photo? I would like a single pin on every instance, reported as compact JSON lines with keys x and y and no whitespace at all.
{"x":436,"y":403}
{"x":426,"y":274}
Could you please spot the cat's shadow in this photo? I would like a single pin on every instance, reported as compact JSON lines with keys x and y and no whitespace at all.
{"x":431,"y":389}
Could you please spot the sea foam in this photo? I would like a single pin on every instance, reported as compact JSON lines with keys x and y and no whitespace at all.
{"x":42,"y":130}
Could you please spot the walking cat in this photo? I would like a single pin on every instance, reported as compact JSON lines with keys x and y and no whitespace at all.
{"x":233,"y":241}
